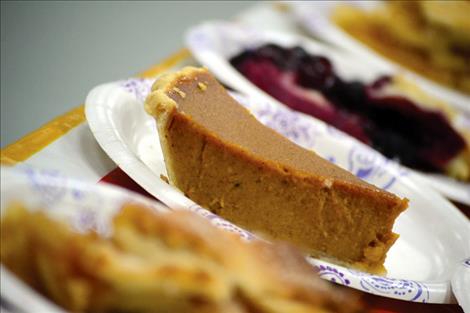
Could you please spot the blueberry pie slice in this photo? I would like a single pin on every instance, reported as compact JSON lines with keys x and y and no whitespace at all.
{"x":390,"y":114}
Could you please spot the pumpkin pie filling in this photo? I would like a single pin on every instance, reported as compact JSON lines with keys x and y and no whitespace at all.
{"x":221,"y":157}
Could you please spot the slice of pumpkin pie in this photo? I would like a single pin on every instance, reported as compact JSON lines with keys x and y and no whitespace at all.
{"x":221,"y":157}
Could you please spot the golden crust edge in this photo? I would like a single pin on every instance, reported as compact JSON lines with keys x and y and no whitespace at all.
{"x":162,"y":108}
{"x":158,"y":100}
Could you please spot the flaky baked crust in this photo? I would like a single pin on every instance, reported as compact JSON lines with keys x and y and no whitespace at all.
{"x":161,"y":262}
{"x":159,"y":105}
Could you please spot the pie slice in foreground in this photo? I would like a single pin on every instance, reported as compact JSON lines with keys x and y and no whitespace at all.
{"x":221,"y":157}
{"x":162,"y":262}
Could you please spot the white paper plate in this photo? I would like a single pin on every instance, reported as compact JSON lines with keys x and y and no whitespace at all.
{"x":84,"y":206}
{"x":314,"y":16}
{"x":434,"y":234}
{"x":214,"y":43}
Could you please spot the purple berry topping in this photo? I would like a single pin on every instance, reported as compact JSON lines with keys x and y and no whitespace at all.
{"x":392,"y":124}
